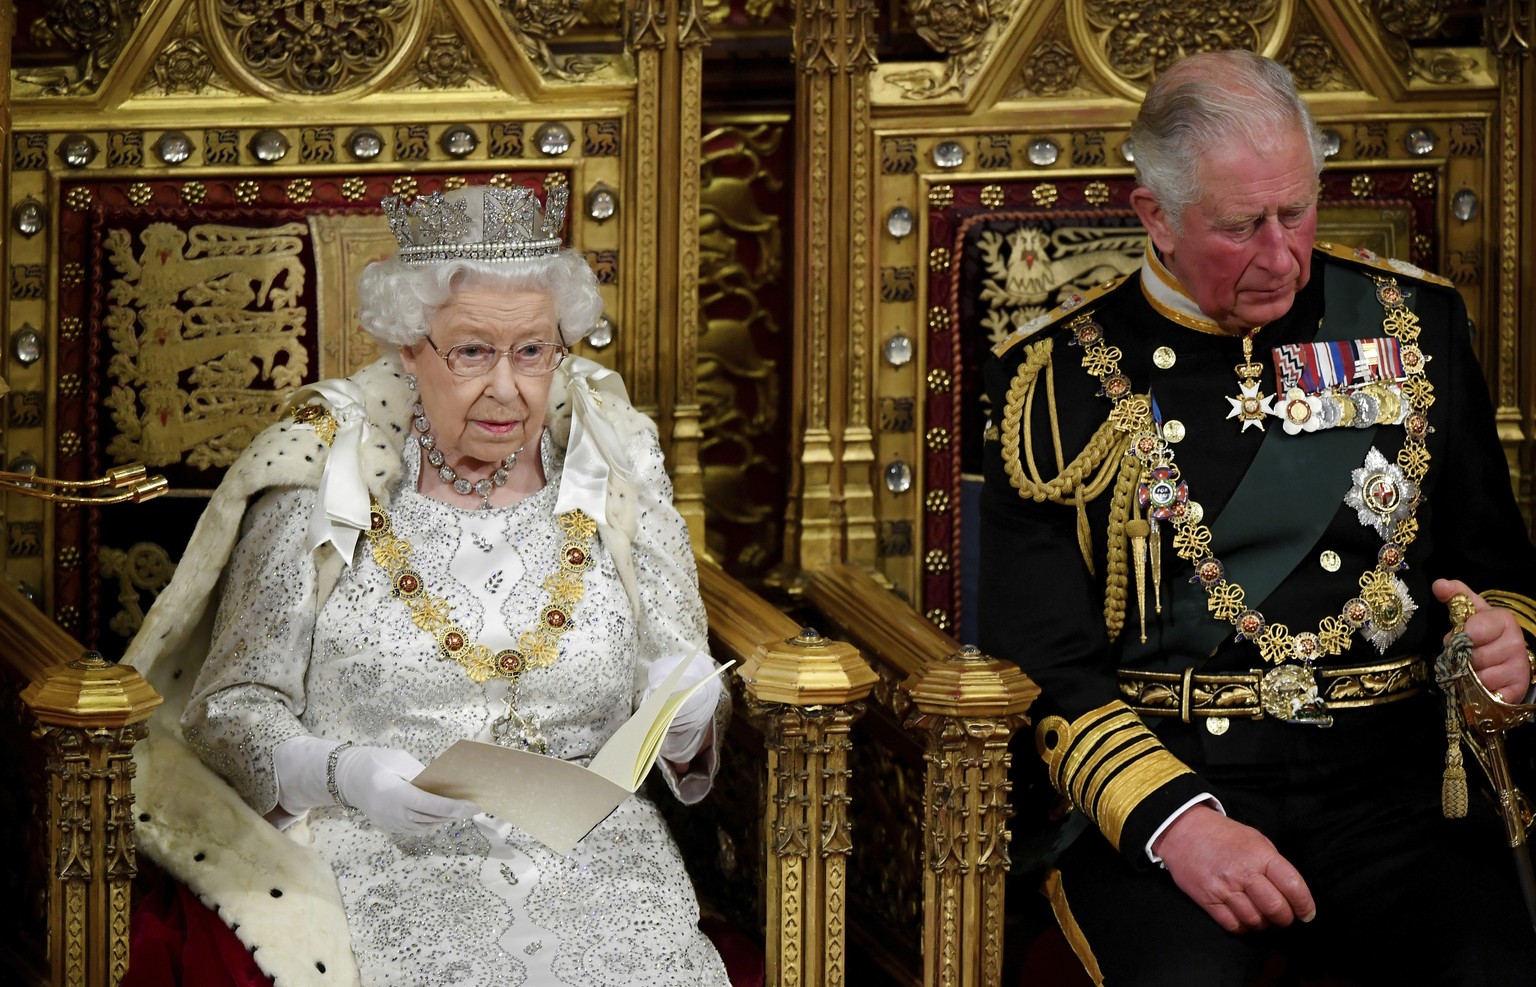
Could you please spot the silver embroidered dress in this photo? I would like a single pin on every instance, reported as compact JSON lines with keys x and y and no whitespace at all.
{"x":478,"y":903}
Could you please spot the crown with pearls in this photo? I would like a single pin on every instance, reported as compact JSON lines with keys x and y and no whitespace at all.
{"x":480,"y":222}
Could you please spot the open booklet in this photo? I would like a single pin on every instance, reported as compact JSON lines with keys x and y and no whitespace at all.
{"x":559,"y":802}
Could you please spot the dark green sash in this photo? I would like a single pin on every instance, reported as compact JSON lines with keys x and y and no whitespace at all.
{"x":1274,"y":519}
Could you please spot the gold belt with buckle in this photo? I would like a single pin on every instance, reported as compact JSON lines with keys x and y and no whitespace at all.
{"x":1273,"y":692}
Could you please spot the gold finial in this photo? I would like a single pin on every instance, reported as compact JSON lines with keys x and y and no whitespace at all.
{"x":1461,"y":609}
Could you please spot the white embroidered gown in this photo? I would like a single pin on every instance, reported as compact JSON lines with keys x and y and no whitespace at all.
{"x":479,"y":904}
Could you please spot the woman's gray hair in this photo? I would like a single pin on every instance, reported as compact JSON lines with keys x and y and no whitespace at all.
{"x":1204,"y":101}
{"x":396,"y":300}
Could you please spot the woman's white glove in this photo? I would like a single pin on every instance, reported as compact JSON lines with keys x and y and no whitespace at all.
{"x":691,"y":726}
{"x":376,"y":781}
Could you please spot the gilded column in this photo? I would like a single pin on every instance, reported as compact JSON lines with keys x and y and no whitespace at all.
{"x":683,"y":125}
{"x":645,"y":34}
{"x":667,"y":38}
{"x":1511,"y":24}
{"x":966,"y":707}
{"x":90,"y":713}
{"x":806,"y":693}
{"x":858,"y":453}
{"x":834,"y":51}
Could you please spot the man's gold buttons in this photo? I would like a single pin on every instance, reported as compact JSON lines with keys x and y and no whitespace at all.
{"x":1164,"y":357}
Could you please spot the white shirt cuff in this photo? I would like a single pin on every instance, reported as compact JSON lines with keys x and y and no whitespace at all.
{"x":1203,"y":797}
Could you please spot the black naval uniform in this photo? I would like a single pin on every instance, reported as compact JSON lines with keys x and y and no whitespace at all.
{"x":1403,"y":895}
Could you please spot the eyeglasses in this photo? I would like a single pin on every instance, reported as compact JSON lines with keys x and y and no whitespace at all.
{"x":533,"y":359}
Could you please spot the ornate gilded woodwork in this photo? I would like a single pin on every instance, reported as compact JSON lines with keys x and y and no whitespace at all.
{"x":744,"y":338}
{"x":806,"y":692}
{"x":1511,"y":28}
{"x":832,"y":511}
{"x":802,"y":694}
{"x":84,"y":715}
{"x":966,"y":707}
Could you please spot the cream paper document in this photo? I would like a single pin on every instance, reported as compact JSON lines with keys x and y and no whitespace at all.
{"x":559,"y":802}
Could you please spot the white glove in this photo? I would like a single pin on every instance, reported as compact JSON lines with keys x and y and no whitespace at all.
{"x":686,"y":735}
{"x":313,"y":771}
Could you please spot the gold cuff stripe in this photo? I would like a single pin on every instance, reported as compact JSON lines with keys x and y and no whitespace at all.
{"x":1111,"y":752}
{"x":1141,"y":779}
{"x":1106,"y":762}
{"x":1104,"y":776}
{"x":1523,"y":607}
{"x":1078,"y":741}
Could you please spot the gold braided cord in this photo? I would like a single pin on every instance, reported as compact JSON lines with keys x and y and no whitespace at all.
{"x":1072,"y":477}
{"x":1052,"y":887}
{"x":1117,"y":571}
{"x":1523,"y":607}
{"x":1076,"y":484}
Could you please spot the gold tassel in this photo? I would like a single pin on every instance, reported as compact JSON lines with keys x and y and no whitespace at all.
{"x":1453,"y":784}
{"x":1136,"y":529}
{"x":1157,"y":566}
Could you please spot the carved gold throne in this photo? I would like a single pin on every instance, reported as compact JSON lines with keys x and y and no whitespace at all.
{"x":808,"y":222}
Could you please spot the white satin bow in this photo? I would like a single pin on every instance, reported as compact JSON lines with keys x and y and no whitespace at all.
{"x":594,"y":451}
{"x":341,"y":507}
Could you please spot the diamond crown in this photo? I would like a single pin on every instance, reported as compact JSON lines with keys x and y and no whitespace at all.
{"x":479,"y":222}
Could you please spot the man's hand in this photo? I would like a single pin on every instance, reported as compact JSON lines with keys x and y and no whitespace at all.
{"x":1498,"y":645}
{"x":1233,"y":872}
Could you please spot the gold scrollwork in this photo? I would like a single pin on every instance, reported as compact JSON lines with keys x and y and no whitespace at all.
{"x":536,"y":23}
{"x":965,"y":32}
{"x":244,"y":322}
{"x":183,"y":66}
{"x":741,"y":262}
{"x":1405,"y":22}
{"x":299,"y":48}
{"x":142,"y":568}
{"x":96,"y":30}
{"x":1128,"y":42}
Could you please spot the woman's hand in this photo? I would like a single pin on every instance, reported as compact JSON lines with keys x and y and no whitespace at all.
{"x":1498,"y":645}
{"x":692,"y":728}
{"x":313,"y":771}
{"x":376,"y":782}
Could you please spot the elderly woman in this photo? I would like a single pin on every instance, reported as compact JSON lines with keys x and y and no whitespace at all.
{"x":471,"y":538}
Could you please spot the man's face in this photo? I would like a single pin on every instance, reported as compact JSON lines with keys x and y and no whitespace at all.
{"x":1246,"y":247}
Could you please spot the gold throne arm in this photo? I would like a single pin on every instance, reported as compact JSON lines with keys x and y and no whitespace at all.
{"x":961,"y":708}
{"x":78,"y":719}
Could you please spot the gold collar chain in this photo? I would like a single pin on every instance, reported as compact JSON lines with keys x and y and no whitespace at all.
{"x":1379,"y":603}
{"x":537,"y":647}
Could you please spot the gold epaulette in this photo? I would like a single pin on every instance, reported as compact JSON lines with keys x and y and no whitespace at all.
{"x":1068,"y":305}
{"x":1106,"y":761}
{"x":1388,"y":265}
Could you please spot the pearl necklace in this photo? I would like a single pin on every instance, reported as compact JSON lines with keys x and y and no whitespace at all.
{"x":447,"y":474}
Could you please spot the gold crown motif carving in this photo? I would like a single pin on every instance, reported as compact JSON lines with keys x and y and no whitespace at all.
{"x":479,"y":222}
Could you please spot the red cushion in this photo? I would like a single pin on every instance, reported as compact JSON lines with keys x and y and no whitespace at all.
{"x":176,"y":940}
